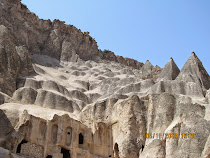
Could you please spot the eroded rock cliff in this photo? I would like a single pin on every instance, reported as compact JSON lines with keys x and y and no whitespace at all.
{"x":60,"y":96}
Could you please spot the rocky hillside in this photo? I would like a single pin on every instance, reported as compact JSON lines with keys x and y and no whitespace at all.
{"x":60,"y":96}
{"x":60,"y":41}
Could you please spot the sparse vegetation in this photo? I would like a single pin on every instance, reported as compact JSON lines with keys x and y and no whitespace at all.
{"x":106,"y":50}
{"x":90,"y":38}
{"x":24,"y":6}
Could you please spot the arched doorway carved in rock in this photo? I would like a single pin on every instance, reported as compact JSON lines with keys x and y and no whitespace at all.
{"x":116,"y":151}
{"x":20,"y":145}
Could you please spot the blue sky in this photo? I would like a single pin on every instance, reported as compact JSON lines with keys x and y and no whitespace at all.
{"x":140,"y":29}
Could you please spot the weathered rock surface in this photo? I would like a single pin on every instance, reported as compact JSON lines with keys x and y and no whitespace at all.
{"x":146,"y":70}
{"x":55,"y":39}
{"x":4,"y":98}
{"x":170,"y":71}
{"x":9,"y":62}
{"x":60,"y":96}
{"x":193,"y":71}
{"x":14,"y":61}
{"x":26,"y":67}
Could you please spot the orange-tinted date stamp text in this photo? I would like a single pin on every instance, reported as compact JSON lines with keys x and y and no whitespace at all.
{"x":170,"y":135}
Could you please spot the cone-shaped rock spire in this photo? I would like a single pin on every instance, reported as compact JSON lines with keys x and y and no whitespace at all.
{"x":146,"y":69}
{"x":193,"y":71}
{"x":170,"y":71}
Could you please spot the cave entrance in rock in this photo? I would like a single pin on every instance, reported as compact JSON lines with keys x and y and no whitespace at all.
{"x":49,"y":156}
{"x":66,"y":153}
{"x":19,"y":146}
{"x":116,"y":151}
{"x":81,"y":138}
{"x":142,"y":147}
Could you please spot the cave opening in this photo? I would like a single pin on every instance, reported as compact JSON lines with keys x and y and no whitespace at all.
{"x":142,"y":147}
{"x":19,"y":146}
{"x":66,"y":153}
{"x":116,"y":151}
{"x":49,"y":156}
{"x":81,"y":138}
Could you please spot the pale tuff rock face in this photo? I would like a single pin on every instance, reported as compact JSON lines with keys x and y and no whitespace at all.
{"x":193,"y":71}
{"x":170,"y":71}
{"x":61,"y":97}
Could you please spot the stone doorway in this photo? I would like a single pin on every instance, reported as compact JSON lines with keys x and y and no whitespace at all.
{"x":81,"y":138}
{"x":19,"y":146}
{"x":116,"y":151}
{"x":66,"y":153}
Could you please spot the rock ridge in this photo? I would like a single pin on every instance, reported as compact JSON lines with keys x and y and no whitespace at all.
{"x":60,"y":97}
{"x":56,"y":39}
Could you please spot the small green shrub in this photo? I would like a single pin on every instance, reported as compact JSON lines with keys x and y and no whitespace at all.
{"x":106,"y":50}
{"x":24,"y":6}
{"x":90,"y":38}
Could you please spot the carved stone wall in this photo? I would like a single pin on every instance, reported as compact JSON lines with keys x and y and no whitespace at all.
{"x":58,"y":136}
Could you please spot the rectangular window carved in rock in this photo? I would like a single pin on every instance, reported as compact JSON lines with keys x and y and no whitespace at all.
{"x":68,"y":133}
{"x":42,"y":129}
{"x":54,"y":134}
{"x":81,"y":139}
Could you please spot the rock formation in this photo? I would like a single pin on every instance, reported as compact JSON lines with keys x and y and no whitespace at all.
{"x":170,"y":71}
{"x":193,"y":71}
{"x":62,"y":97}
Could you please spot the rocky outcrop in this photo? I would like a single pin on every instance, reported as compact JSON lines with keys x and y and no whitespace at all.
{"x":167,"y":116}
{"x":149,"y":71}
{"x":110,"y":56}
{"x":193,"y":71}
{"x":9,"y":60}
{"x":146,"y":70}
{"x":5,"y":153}
{"x":4,"y":98}
{"x":6,"y":126}
{"x":130,"y":107}
{"x":26,"y":67}
{"x":123,"y":118}
{"x":60,"y":96}
{"x":52,"y":134}
{"x":14,"y":61}
{"x":55,"y":39}
{"x":130,"y":117}
{"x":206,"y":151}
{"x":178,"y":87}
{"x":170,"y":71}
